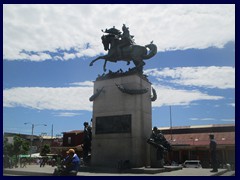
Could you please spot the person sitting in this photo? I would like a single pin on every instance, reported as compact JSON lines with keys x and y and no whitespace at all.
{"x":72,"y":164}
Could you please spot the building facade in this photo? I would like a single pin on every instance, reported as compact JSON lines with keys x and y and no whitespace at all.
{"x":192,"y":143}
{"x":37,"y":141}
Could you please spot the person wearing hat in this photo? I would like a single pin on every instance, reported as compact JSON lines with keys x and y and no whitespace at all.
{"x":213,"y":151}
{"x":72,"y":164}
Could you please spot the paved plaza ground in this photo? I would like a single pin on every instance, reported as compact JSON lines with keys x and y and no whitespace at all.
{"x":35,"y":170}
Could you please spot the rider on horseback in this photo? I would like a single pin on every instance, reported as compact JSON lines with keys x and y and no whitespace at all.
{"x":126,"y":40}
{"x":121,"y":47}
{"x":112,"y":31}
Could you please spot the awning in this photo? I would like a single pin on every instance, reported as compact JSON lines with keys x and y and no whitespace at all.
{"x":24,"y":155}
{"x":36,"y":155}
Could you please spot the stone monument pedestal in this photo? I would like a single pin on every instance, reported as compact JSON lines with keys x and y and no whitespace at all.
{"x":155,"y":162}
{"x":121,"y":123}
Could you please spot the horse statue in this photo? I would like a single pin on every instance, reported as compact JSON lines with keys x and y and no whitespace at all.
{"x":129,"y":52}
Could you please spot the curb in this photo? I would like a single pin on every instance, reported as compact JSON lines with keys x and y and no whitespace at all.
{"x":131,"y":171}
{"x":7,"y":172}
{"x":27,"y":173}
{"x":220,"y":173}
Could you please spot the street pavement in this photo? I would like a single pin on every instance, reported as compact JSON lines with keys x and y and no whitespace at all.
{"x":35,"y":170}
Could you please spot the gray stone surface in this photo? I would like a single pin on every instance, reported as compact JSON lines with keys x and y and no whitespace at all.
{"x":110,"y":149}
{"x":35,"y":170}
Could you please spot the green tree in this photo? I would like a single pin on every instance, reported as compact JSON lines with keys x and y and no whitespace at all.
{"x":19,"y":146}
{"x":25,"y":147}
{"x":45,"y":150}
{"x":17,"y":143}
{"x":7,"y":148}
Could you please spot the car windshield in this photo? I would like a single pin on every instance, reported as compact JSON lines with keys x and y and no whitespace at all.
{"x":192,"y":163}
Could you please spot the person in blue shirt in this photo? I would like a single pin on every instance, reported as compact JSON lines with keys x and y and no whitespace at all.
{"x":72,"y":164}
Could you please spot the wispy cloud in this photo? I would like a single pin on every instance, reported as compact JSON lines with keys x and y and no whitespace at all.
{"x":208,"y":77}
{"x":36,"y":31}
{"x":71,"y":98}
{"x":67,"y":114}
{"x":232,"y":104}
{"x":228,"y":120}
{"x":202,"y":119}
{"x":85,"y":83}
{"x":170,"y":96}
{"x":77,"y":98}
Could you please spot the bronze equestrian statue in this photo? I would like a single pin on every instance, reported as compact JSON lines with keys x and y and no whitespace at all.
{"x":121,"y":47}
{"x":158,"y":141}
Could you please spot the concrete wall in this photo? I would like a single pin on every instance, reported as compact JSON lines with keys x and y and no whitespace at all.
{"x":109,"y":149}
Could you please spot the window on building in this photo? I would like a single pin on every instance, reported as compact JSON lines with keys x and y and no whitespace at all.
{"x":69,"y":140}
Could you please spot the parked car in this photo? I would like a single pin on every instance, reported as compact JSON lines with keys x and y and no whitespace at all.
{"x":192,"y":164}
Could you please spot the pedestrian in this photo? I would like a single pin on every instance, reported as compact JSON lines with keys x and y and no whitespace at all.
{"x":38,"y":161}
{"x":43,"y":162}
{"x":87,"y":138}
{"x":213,"y":152}
{"x":24,"y":162}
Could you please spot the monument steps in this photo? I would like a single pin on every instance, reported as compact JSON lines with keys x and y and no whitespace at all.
{"x":140,"y":170}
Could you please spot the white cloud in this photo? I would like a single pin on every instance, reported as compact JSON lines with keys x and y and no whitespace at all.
{"x":169,"y":96}
{"x":202,"y":119}
{"x":68,"y":56}
{"x":71,"y":98}
{"x":48,"y":28}
{"x":207,"y":119}
{"x":67,"y":114}
{"x":85,"y":83}
{"x":208,"y":77}
{"x":232,"y":104}
{"x":228,"y":120}
{"x":77,"y":98}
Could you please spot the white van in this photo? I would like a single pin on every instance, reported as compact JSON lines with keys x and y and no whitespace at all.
{"x":192,"y":164}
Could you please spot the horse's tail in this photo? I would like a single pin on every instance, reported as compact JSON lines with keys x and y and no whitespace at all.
{"x":153,"y":51}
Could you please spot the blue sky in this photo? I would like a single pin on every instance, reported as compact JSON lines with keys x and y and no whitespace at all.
{"x":47,"y":50}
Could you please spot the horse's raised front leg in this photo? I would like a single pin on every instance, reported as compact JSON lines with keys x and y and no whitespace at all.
{"x":139,"y":63}
{"x":100,"y":57}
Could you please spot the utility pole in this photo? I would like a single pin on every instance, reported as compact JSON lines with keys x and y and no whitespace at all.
{"x":31,"y":141}
{"x":32,"y":135}
{"x":171,"y":122}
{"x":52,"y":132}
{"x":52,"y":136}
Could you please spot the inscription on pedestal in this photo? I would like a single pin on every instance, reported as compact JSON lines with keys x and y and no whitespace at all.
{"x":113,"y":124}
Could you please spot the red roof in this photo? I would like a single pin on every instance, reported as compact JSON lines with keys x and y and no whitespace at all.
{"x":201,"y":139}
{"x":74,"y":132}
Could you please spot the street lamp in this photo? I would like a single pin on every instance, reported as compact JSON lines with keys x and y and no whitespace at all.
{"x":32,"y":134}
